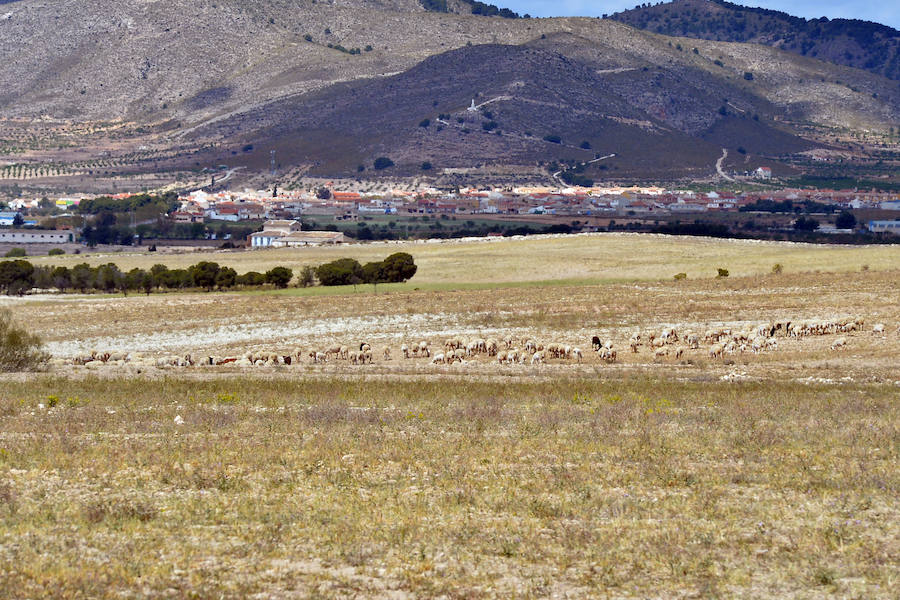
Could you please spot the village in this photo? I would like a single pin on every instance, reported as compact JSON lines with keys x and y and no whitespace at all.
{"x":333,"y":203}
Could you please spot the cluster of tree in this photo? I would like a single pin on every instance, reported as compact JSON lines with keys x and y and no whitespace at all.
{"x":395,"y":268}
{"x":788,"y":206}
{"x":19,"y":276}
{"x":91,"y":206}
{"x":478,"y":8}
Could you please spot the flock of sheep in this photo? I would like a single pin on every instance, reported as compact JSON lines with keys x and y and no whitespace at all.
{"x":670,"y":341}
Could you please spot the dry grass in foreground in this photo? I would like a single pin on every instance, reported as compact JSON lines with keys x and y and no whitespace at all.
{"x":372,"y":489}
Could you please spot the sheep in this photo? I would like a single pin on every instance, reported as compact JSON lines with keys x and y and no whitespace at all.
{"x":537,"y":358}
{"x":501,"y":357}
{"x":491,"y":347}
{"x":404,"y":350}
{"x":334,"y":351}
{"x":576,"y":353}
{"x":595,"y":343}
{"x":353,"y":357}
{"x":317,"y":357}
{"x":423,"y":348}
{"x":839,"y":343}
{"x":878,"y":329}
{"x":386,"y":353}
{"x":530,"y":345}
{"x":437,"y":358}
{"x":608,"y":354}
{"x":633,"y":344}
{"x":661,"y":352}
{"x":679,"y":352}
{"x":716,"y":351}
{"x":693,"y":341}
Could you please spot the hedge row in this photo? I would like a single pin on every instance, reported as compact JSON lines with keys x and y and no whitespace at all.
{"x":19,"y":276}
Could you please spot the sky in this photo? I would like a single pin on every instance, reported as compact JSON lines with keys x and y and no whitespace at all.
{"x":882,"y":11}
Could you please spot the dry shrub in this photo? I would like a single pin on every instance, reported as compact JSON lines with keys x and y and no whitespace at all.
{"x":119,"y":509}
{"x":19,"y":350}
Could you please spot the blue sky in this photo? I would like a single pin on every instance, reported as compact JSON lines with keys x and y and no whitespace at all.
{"x":883,"y":11}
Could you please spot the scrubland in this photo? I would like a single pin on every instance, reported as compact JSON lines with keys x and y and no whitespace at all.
{"x":766,"y":475}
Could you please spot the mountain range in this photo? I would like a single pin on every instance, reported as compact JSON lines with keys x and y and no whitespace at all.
{"x":331,"y":85}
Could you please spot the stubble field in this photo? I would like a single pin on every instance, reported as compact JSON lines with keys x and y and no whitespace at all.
{"x":771,"y":474}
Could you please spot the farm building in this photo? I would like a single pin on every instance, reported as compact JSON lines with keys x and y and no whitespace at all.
{"x":309,"y":238}
{"x":273,"y":230}
{"x":885,"y":227}
{"x":37,"y":236}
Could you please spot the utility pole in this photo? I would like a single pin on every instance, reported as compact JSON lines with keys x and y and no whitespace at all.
{"x":272,"y":162}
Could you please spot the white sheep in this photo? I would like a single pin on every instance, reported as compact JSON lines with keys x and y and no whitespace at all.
{"x":839,"y":343}
{"x":878,"y":329}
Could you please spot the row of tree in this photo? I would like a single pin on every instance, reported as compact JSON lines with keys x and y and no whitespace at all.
{"x":20,"y":276}
{"x":395,"y":268}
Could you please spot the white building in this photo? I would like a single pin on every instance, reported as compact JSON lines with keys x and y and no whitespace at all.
{"x":272,"y":231}
{"x":885,"y":227}
{"x":36,"y":236}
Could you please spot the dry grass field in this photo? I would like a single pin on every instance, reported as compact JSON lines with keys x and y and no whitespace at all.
{"x":754,"y":475}
{"x":586,"y":258}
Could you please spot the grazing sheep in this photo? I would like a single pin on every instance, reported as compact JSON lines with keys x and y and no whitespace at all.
{"x":437,"y":358}
{"x":404,"y":350}
{"x":492,"y":346}
{"x":878,"y":329}
{"x":716,"y":351}
{"x":576,"y":353}
{"x":386,"y":353}
{"x":839,"y":343}
{"x":353,"y":357}
{"x":423,"y":348}
{"x":679,"y":352}
{"x":537,"y":358}
{"x":501,"y":357}
{"x":693,"y":341}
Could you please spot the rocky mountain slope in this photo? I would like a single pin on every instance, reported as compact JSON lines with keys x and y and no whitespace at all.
{"x":849,"y":42}
{"x":332,"y":84}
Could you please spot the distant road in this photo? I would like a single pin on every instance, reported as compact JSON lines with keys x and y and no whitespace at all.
{"x":719,"y":165}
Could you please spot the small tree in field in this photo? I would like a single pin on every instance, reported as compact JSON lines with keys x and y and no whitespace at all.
{"x":280,"y":277}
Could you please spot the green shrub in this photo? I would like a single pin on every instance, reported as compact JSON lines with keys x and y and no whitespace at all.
{"x":56,"y":252}
{"x":19,"y":350}
{"x":280,"y":277}
{"x":680,"y":276}
{"x":16,"y":253}
{"x":777,"y":268}
{"x":722,"y":272}
{"x":383,"y":162}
